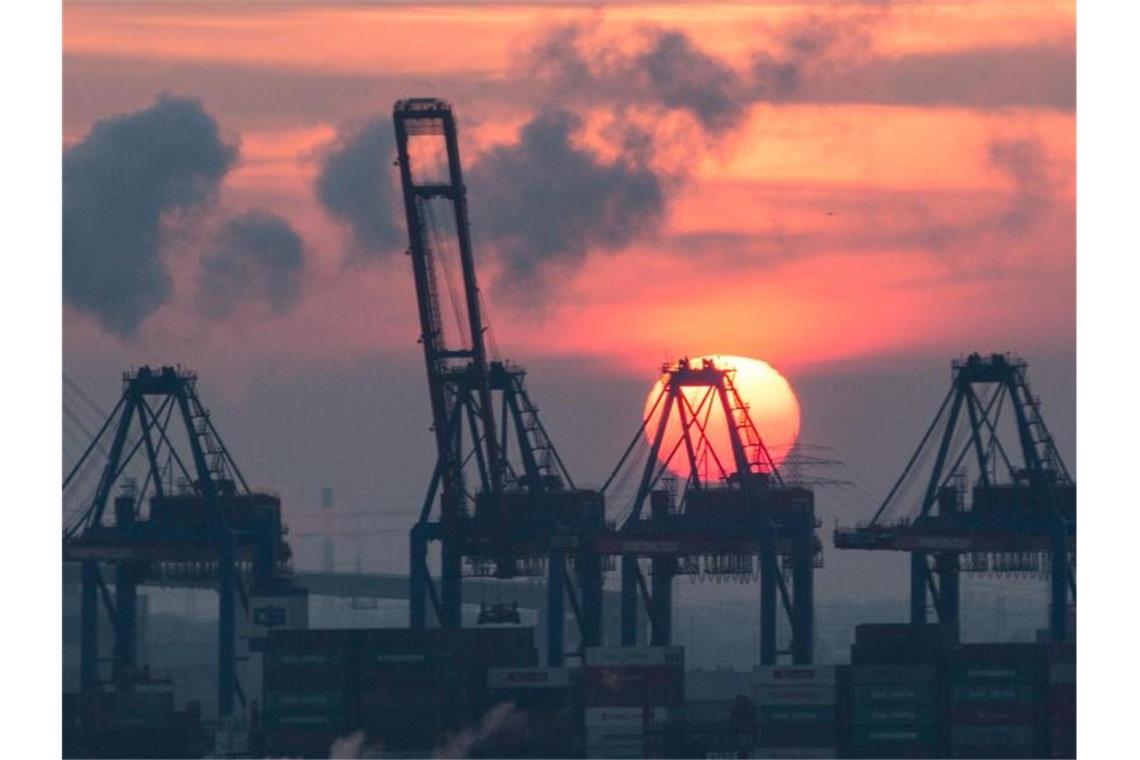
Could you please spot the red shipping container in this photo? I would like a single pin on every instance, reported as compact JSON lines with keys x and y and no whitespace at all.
{"x":662,"y":685}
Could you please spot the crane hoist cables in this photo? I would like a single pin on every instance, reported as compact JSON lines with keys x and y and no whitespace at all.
{"x":441,"y":254}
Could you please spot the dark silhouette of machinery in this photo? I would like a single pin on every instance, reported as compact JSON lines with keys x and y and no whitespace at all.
{"x":1021,"y":517}
{"x":730,"y":516}
{"x":193,"y":517}
{"x":500,"y":503}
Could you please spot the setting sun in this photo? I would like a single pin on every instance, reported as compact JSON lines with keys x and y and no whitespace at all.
{"x":771,"y":403}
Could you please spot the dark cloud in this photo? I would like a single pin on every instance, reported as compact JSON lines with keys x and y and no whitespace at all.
{"x":119,"y":183}
{"x":807,"y":48}
{"x":544,"y":203}
{"x":256,"y":257}
{"x":669,"y":71}
{"x":356,"y":186}
{"x":1023,"y":161}
{"x":816,"y":59}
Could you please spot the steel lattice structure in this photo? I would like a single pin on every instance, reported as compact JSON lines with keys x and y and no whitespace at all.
{"x":500,"y":502}
{"x":1021,"y":517}
{"x":727,"y":515}
{"x":200,"y":520}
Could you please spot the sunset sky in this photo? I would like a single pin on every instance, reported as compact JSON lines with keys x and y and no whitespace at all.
{"x":854,"y":193}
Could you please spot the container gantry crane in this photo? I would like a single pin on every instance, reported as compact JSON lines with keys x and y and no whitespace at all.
{"x":201,"y":519}
{"x":500,"y":502}
{"x":731,"y":515}
{"x":1022,"y":516}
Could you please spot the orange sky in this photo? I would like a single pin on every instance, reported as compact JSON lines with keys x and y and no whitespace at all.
{"x":814,"y":230}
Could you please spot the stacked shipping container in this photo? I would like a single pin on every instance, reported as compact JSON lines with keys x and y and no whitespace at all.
{"x":1063,"y":709}
{"x":407,"y":689}
{"x":995,"y":700}
{"x":308,"y":690}
{"x":895,"y":708}
{"x":632,"y":696}
{"x":795,"y":711}
{"x":548,"y":702}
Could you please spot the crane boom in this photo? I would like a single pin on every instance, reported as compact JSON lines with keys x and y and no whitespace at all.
{"x":433,"y":118}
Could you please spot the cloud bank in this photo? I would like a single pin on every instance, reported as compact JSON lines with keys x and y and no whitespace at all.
{"x":119,"y":183}
{"x":256,"y":257}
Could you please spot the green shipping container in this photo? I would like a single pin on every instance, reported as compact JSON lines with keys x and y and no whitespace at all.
{"x":1003,"y":693}
{"x":915,"y":713}
{"x":797,"y":714}
{"x":865,"y":735}
{"x":893,"y":694}
{"x":304,"y":710}
{"x":974,"y":674}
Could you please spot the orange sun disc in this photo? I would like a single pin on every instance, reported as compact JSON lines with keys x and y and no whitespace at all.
{"x":771,"y":404}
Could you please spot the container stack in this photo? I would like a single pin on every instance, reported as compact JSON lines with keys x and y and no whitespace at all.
{"x":549,"y":704}
{"x":995,"y":710}
{"x":895,"y":708}
{"x":309,"y":690}
{"x":795,"y":711}
{"x":633,"y":696}
{"x":407,"y":689}
{"x":1063,"y":709}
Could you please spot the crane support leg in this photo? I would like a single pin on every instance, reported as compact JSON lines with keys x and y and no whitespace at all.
{"x":662,"y":615}
{"x":917,"y":588}
{"x":89,"y":629}
{"x":629,"y":600}
{"x":768,"y":573}
{"x":802,"y":600}
{"x":126,"y":606}
{"x":451,"y":579}
{"x":949,"y":595}
{"x":590,"y":581}
{"x":417,"y":578}
{"x":227,"y":625}
{"x":1058,"y":587}
{"x":555,"y":608}
{"x":126,"y":603}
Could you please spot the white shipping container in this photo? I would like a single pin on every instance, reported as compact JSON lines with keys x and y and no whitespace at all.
{"x":781,"y":674}
{"x":624,"y":717}
{"x":795,"y":695}
{"x":528,"y":678}
{"x":633,"y":656}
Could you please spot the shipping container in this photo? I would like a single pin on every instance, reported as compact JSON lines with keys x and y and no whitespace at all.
{"x":880,"y":694}
{"x":794,"y":753}
{"x":785,"y":674}
{"x":813,"y":714}
{"x":993,"y":714}
{"x":917,"y":713}
{"x":120,"y":711}
{"x":616,"y":749}
{"x":300,"y":744}
{"x":634,"y":656}
{"x":991,"y":736}
{"x":805,"y":694}
{"x":795,"y":735}
{"x":532,"y":678}
{"x":893,"y":674}
{"x":868,"y":735}
{"x":624,"y":686}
